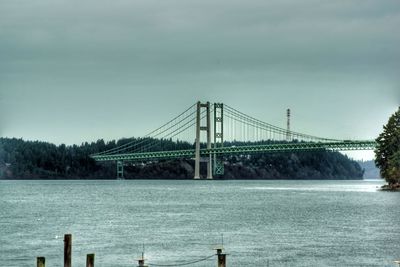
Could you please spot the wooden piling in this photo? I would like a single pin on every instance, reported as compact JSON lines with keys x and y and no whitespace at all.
{"x":41,"y":262}
{"x":141,"y":260}
{"x":221,"y":260}
{"x":67,"y":250}
{"x":90,"y":260}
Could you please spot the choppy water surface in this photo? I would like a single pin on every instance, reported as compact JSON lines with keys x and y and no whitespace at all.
{"x":264,"y":223}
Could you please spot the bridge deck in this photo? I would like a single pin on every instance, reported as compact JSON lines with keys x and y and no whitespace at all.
{"x":286,"y":147}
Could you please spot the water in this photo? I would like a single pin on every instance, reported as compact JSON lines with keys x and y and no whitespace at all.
{"x":264,"y":223}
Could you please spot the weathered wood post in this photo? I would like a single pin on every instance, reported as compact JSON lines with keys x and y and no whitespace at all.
{"x":67,"y":250}
{"x":41,"y":262}
{"x":90,"y":260}
{"x":141,"y":261}
{"x":221,"y":261}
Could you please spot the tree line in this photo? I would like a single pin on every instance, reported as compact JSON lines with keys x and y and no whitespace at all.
{"x":20,"y":159}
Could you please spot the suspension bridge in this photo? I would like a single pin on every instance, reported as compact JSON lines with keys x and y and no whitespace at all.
{"x":225,"y":131}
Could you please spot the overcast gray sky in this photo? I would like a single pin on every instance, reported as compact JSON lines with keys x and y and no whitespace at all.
{"x":74,"y":71}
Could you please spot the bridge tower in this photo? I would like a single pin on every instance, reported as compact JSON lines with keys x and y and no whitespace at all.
{"x":200,"y":128}
{"x":218,"y":136}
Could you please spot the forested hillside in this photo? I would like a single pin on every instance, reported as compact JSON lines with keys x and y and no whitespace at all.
{"x":21,"y":159}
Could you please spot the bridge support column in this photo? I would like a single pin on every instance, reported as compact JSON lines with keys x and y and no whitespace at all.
{"x":197,"y":155}
{"x":120,"y":169}
{"x":218,"y":136}
{"x":209,"y":162}
{"x":200,"y":128}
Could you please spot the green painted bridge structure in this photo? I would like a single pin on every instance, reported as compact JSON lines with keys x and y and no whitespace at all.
{"x":227,"y":125}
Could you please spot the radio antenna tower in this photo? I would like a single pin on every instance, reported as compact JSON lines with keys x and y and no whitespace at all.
{"x":288,"y":136}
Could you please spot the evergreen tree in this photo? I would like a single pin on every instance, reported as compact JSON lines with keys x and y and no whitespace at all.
{"x":387,"y":153}
{"x":21,"y":159}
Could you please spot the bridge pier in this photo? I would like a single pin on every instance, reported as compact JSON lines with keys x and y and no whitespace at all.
{"x":120,"y":169}
{"x":200,"y":128}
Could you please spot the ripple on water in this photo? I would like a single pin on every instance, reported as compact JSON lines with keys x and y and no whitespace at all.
{"x":280,"y":223}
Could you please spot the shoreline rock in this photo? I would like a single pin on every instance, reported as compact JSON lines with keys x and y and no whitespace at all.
{"x":391,"y":187}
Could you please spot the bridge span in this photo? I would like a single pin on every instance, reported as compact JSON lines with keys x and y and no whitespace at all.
{"x":219,"y":125}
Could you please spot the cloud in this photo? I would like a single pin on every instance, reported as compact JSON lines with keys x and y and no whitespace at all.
{"x":254,"y":52}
